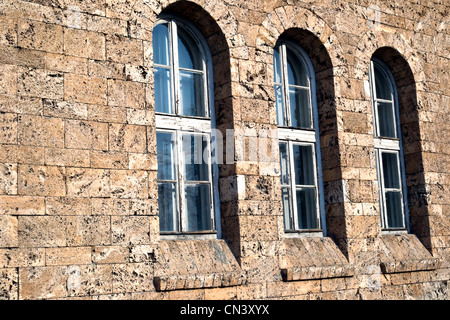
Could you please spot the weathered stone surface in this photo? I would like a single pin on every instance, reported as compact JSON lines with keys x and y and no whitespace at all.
{"x":79,"y":207}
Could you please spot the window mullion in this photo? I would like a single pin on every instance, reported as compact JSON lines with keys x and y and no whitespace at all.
{"x":293,"y":189}
{"x":181,"y":176}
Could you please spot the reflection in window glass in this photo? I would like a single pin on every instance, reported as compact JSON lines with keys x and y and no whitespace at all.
{"x":304,"y":165}
{"x":300,"y":108}
{"x":163,"y":93}
{"x":390,"y":170}
{"x":297,"y":72}
{"x":165,"y":156}
{"x":386,"y":120}
{"x":382,"y":85}
{"x":195,"y":150}
{"x":198,"y":207}
{"x":161,"y":51}
{"x":189,"y":55}
{"x":306,"y":208}
{"x":192,"y":100}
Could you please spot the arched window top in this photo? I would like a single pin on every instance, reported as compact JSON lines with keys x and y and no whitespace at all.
{"x":384,"y":100}
{"x":180,"y":61}
{"x":293,"y":77}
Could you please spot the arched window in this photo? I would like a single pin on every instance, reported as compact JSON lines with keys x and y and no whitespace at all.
{"x":183,"y":102}
{"x":388,"y":148}
{"x":301,"y":183}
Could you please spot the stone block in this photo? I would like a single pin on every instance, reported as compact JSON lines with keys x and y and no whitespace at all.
{"x":130,"y":138}
{"x":8,"y":128}
{"x":22,"y":257}
{"x":110,"y":254}
{"x":8,"y":178}
{"x":67,"y":256}
{"x":67,"y":157}
{"x":129,"y":184}
{"x":40,"y":83}
{"x":20,"y":205}
{"x":63,"y":63}
{"x":86,"y":135}
{"x":40,"y":36}
{"x":42,"y":231}
{"x":40,"y":131}
{"x":65,"y":206}
{"x":85,"y":44}
{"x":109,"y":160}
{"x":124,"y":50}
{"x":85,"y":89}
{"x":9,"y":284}
{"x":128,"y":230}
{"x":41,"y":180}
{"x":8,"y":34}
{"x":8,"y":231}
{"x":43,"y":282}
{"x":85,"y":230}
{"x":88,"y":182}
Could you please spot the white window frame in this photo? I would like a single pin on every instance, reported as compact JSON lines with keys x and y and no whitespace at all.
{"x":179,"y":124}
{"x":388,"y":145}
{"x":291,"y":136}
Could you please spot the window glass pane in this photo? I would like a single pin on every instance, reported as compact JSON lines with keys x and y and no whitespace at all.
{"x":192,"y":94}
{"x":189,"y":55}
{"x":161,"y":44}
{"x":303,"y":165}
{"x":287,"y":210}
{"x":167,"y":202}
{"x":382,"y":84}
{"x":306,"y":208}
{"x":394,"y":209}
{"x":279,"y":105}
{"x":300,"y":108}
{"x":198,"y":207}
{"x":163,"y":92}
{"x":196,"y":158}
{"x":284,"y":164}
{"x":165,"y":156}
{"x":297,"y":72}
{"x":390,"y":170}
{"x":276,"y":66}
{"x":386,"y":120}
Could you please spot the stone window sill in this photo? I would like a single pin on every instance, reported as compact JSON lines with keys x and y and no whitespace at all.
{"x":314,"y":258}
{"x":195,"y":264}
{"x":405,"y":253}
{"x":199,"y":281}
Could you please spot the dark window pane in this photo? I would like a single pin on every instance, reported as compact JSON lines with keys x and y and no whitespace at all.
{"x":163,"y":92}
{"x":167,"y":203}
{"x":287,"y":210}
{"x":198,"y":207}
{"x":284,"y":164}
{"x":161,"y":44}
{"x":195,"y":157}
{"x":386,"y":120}
{"x":300,"y":108}
{"x":390,"y":170}
{"x":189,"y":54}
{"x":382,"y":84}
{"x":394,"y":210}
{"x":165,"y":156}
{"x":304,"y":165}
{"x":192,"y":98}
{"x":276,"y":66}
{"x":306,"y":209}
{"x":297,"y":72}
{"x":279,"y":105}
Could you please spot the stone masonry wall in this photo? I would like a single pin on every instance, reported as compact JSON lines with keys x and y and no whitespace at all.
{"x":78,"y":193}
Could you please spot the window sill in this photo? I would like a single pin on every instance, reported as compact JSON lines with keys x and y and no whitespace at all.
{"x":405,"y":253}
{"x":209,"y":235}
{"x":310,"y":258}
{"x":195,"y":264}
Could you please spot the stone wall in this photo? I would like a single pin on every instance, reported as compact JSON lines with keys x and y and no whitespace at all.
{"x":78,"y":194}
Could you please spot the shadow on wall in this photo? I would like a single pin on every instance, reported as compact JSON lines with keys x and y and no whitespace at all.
{"x":418,"y":196}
